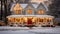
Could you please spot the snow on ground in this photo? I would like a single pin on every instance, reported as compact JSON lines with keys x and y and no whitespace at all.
{"x":15,"y":32}
{"x":34,"y":30}
{"x":46,"y":30}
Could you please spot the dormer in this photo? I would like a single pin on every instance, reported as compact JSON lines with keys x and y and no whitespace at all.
{"x":16,"y":9}
{"x":29,"y":9}
{"x":41,"y":9}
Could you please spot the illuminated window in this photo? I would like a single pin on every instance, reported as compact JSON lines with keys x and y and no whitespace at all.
{"x":41,"y":12}
{"x":29,"y":11}
{"x":48,"y":20}
{"x":40,"y":20}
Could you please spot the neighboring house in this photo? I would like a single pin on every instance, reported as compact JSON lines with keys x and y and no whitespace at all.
{"x":2,"y":23}
{"x":57,"y":21}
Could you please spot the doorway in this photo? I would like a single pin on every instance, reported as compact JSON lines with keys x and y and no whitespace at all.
{"x":29,"y":22}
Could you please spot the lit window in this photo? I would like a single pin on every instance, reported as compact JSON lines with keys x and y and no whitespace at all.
{"x":41,"y":12}
{"x":40,"y":20}
{"x":48,"y":20}
{"x":29,"y":11}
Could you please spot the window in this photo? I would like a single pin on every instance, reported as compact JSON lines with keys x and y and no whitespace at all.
{"x":29,"y":11}
{"x":40,"y":20}
{"x":41,"y":12}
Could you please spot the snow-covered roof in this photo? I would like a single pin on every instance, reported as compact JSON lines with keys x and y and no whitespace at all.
{"x":41,"y":16}
{"x":23,"y":6}
{"x":42,"y":6}
{"x":33,"y":5}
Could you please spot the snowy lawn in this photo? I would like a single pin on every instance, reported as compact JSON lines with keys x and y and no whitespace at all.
{"x":34,"y":30}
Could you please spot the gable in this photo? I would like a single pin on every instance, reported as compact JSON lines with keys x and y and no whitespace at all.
{"x":35,"y":5}
{"x":14,"y":7}
{"x":42,"y":6}
{"x":29,"y":6}
{"x":23,"y":5}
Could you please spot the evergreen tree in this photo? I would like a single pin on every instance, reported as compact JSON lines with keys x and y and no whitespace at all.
{"x":55,"y":8}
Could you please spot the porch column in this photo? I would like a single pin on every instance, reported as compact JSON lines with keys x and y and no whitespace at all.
{"x":51,"y":19}
{"x":44,"y":20}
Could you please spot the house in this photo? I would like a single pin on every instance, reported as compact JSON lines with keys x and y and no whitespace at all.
{"x":30,"y":15}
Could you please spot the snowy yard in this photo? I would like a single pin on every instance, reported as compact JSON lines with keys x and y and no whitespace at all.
{"x":34,"y":30}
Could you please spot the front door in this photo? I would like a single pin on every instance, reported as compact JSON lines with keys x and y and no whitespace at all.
{"x":29,"y":22}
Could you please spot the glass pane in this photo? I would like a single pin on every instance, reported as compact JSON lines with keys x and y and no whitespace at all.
{"x":29,"y":11}
{"x":41,"y":12}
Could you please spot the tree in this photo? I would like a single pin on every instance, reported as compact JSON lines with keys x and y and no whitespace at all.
{"x":55,"y":8}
